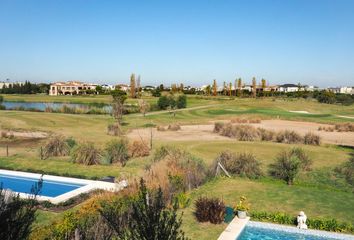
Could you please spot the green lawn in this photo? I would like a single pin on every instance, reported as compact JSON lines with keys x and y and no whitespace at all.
{"x":268,"y":196}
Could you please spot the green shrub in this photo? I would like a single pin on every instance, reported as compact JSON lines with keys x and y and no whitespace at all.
{"x":86,"y":153}
{"x":116,"y":151}
{"x":347,"y":169}
{"x":181,"y":101}
{"x":183,"y":200}
{"x":242,"y":164}
{"x":71,"y":142}
{"x":163,"y":102}
{"x":210,"y":210}
{"x":305,"y":161}
{"x":312,"y":139}
{"x":286,"y":167}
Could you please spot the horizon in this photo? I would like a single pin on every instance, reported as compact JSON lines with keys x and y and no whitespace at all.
{"x":178,"y":42}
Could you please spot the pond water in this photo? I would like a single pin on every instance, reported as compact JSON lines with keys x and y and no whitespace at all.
{"x":42,"y":106}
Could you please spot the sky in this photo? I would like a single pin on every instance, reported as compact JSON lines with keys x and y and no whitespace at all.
{"x":181,"y":41}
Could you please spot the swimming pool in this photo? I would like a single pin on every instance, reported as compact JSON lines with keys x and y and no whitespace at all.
{"x":24,"y":185}
{"x":54,"y":188}
{"x":267,"y":231}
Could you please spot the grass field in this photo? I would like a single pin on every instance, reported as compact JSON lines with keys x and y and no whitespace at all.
{"x":316,"y":193}
{"x":268,"y":196}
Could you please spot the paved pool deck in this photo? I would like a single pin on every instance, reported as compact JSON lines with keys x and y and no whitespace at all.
{"x":234,"y":229}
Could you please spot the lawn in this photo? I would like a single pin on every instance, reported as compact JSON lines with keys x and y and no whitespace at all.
{"x":268,"y":196}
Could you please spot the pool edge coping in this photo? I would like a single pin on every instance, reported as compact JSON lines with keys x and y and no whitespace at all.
{"x":234,"y":229}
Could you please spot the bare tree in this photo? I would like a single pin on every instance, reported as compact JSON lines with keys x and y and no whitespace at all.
{"x":144,"y":106}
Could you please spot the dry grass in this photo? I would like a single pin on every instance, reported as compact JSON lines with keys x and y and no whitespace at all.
{"x":312,"y":139}
{"x":265,"y":134}
{"x":174,"y":127}
{"x":139,"y":149}
{"x":161,"y":128}
{"x":56,"y":146}
{"x":114,"y":129}
{"x":86,"y":153}
{"x":290,"y":137}
{"x":344,"y":127}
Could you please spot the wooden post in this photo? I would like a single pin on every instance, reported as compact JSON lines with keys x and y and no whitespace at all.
{"x":151,"y":138}
{"x":7,"y":150}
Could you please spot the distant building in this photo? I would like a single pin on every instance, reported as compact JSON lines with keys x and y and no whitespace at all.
{"x":8,"y":84}
{"x":123,"y":87}
{"x":71,"y":88}
{"x":344,"y":90}
{"x":288,"y":88}
{"x":108,"y":87}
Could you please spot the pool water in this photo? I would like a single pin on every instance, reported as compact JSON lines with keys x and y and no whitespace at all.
{"x":24,"y":185}
{"x":257,"y":233}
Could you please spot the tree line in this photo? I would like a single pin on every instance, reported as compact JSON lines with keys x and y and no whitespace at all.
{"x":25,"y":88}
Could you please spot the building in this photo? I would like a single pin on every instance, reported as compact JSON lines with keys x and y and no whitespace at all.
{"x":71,"y":88}
{"x":344,"y":90}
{"x":123,"y":87}
{"x":288,"y":88}
{"x":108,"y":87}
{"x":8,"y":84}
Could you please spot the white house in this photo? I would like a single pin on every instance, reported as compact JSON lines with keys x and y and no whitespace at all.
{"x":7,"y":84}
{"x":288,"y":88}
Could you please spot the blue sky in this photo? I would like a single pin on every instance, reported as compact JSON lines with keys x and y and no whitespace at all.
{"x":283,"y":41}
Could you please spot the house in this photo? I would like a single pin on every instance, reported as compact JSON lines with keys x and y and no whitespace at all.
{"x":288,"y":88}
{"x":71,"y":88}
{"x":123,"y":87}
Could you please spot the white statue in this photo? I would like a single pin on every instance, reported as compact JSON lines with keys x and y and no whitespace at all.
{"x":301,"y":220}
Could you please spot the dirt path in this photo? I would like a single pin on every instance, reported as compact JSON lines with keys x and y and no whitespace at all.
{"x":205,"y":132}
{"x":26,"y":134}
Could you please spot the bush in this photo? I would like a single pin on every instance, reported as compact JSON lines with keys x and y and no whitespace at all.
{"x":347,"y":169}
{"x":161,"y":128}
{"x":163,"y":102}
{"x":218,"y":126}
{"x":175,"y":171}
{"x":116,"y":151}
{"x":139,"y":149}
{"x":266,"y":135}
{"x":182,"y":101}
{"x":71,"y":142}
{"x":86,"y":153}
{"x":114,"y":129}
{"x":174,"y":127}
{"x":56,"y":146}
{"x":240,"y":132}
{"x":210,"y":210}
{"x":242,"y":164}
{"x":289,"y":137}
{"x":344,"y":127}
{"x":288,"y":165}
{"x":312,"y":139}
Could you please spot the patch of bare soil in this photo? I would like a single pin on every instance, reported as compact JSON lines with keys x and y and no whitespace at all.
{"x":205,"y":132}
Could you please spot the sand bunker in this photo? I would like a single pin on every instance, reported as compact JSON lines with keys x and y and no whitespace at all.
{"x":205,"y":132}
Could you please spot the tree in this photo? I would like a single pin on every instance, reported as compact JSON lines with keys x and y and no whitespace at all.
{"x":181,"y":101}
{"x":225,"y":89}
{"x":119,"y":98}
{"x":264,"y":84}
{"x":163,"y":102}
{"x":215,"y":88}
{"x":208,"y":90}
{"x":17,"y":215}
{"x":239,"y":87}
{"x":254,"y":87}
{"x":181,"y":87}
{"x":138,"y":86}
{"x":151,"y":219}
{"x":144,"y":106}
{"x":132,"y":86}
{"x":230,"y":89}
